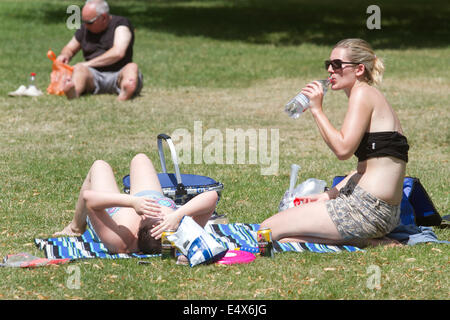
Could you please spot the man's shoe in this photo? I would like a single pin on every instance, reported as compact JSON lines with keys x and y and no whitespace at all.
{"x":19,"y":92}
{"x":32,"y":91}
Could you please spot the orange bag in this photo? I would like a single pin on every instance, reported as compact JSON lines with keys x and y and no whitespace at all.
{"x":59,"y":72}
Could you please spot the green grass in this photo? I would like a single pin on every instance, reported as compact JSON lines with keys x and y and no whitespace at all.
{"x":228,"y":64}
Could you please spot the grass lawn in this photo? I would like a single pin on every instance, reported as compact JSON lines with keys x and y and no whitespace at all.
{"x":224,"y":65}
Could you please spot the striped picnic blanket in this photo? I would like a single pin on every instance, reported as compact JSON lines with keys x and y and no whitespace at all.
{"x":243,"y":236}
{"x":88,"y":245}
{"x":231,"y":236}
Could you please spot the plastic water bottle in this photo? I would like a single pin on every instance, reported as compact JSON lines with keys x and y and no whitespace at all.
{"x":32,"y":90}
{"x":32,"y":82}
{"x":293,"y":178}
{"x":300,"y":102}
{"x":288,"y":197}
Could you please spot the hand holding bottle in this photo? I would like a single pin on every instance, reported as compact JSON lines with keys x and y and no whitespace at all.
{"x":314,"y":91}
{"x":301,"y":101}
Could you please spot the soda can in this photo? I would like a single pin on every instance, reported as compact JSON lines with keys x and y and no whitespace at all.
{"x":265,"y":244}
{"x":168,"y":250}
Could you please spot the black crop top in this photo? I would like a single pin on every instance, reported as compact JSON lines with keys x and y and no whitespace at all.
{"x":381,"y":144}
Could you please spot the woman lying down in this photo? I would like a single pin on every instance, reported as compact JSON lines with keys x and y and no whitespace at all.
{"x":132,"y":223}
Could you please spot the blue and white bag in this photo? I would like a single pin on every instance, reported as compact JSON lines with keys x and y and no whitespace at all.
{"x":195,"y":243}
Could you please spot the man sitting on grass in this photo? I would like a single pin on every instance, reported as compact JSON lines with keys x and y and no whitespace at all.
{"x":107,"y":45}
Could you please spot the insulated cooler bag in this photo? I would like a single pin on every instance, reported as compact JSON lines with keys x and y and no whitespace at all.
{"x":179,"y":187}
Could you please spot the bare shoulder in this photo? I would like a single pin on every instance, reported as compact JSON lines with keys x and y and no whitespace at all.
{"x":363,"y":98}
{"x":122,"y":37}
{"x":370,"y":99}
{"x":364,"y":93}
{"x":122,"y":31}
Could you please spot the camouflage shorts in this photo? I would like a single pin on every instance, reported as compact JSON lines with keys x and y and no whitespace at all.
{"x":358,"y":214}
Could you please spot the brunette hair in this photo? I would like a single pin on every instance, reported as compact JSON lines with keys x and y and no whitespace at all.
{"x":360,"y":51}
{"x":147,"y":243}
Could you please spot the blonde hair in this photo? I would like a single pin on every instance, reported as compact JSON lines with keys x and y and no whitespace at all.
{"x":360,"y":51}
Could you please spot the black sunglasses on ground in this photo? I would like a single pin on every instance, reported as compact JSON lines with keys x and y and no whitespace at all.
{"x":336,"y":63}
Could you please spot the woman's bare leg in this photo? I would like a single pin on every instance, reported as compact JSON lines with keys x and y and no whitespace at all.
{"x":143,"y":175}
{"x":100,"y":178}
{"x":303,"y":222}
{"x":311,"y":223}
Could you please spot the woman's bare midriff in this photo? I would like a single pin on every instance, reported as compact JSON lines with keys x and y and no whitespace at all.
{"x":383,"y":178}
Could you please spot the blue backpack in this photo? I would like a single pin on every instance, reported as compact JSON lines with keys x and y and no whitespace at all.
{"x":416,"y":206}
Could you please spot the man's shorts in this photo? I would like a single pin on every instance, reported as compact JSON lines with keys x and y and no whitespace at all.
{"x":359,"y":215}
{"x":106,"y":82}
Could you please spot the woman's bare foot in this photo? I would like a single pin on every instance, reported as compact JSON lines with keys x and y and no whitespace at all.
{"x":69,"y":231}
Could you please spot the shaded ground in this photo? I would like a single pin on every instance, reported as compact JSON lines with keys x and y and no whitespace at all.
{"x":404,"y":24}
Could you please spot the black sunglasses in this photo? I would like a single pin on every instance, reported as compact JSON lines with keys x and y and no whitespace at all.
{"x":92,"y":20}
{"x":337,"y":63}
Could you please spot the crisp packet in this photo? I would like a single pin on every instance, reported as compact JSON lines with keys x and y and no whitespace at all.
{"x":194,"y":242}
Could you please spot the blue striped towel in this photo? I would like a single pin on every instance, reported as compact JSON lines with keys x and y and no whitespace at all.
{"x":88,"y":245}
{"x":231,"y":236}
{"x":243,"y":236}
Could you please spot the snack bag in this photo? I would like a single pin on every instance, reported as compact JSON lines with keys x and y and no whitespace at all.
{"x":195,"y":243}
{"x":59,"y":72}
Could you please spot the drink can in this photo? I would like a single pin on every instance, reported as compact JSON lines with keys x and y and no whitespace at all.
{"x":168,"y":250}
{"x":265,"y":244}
